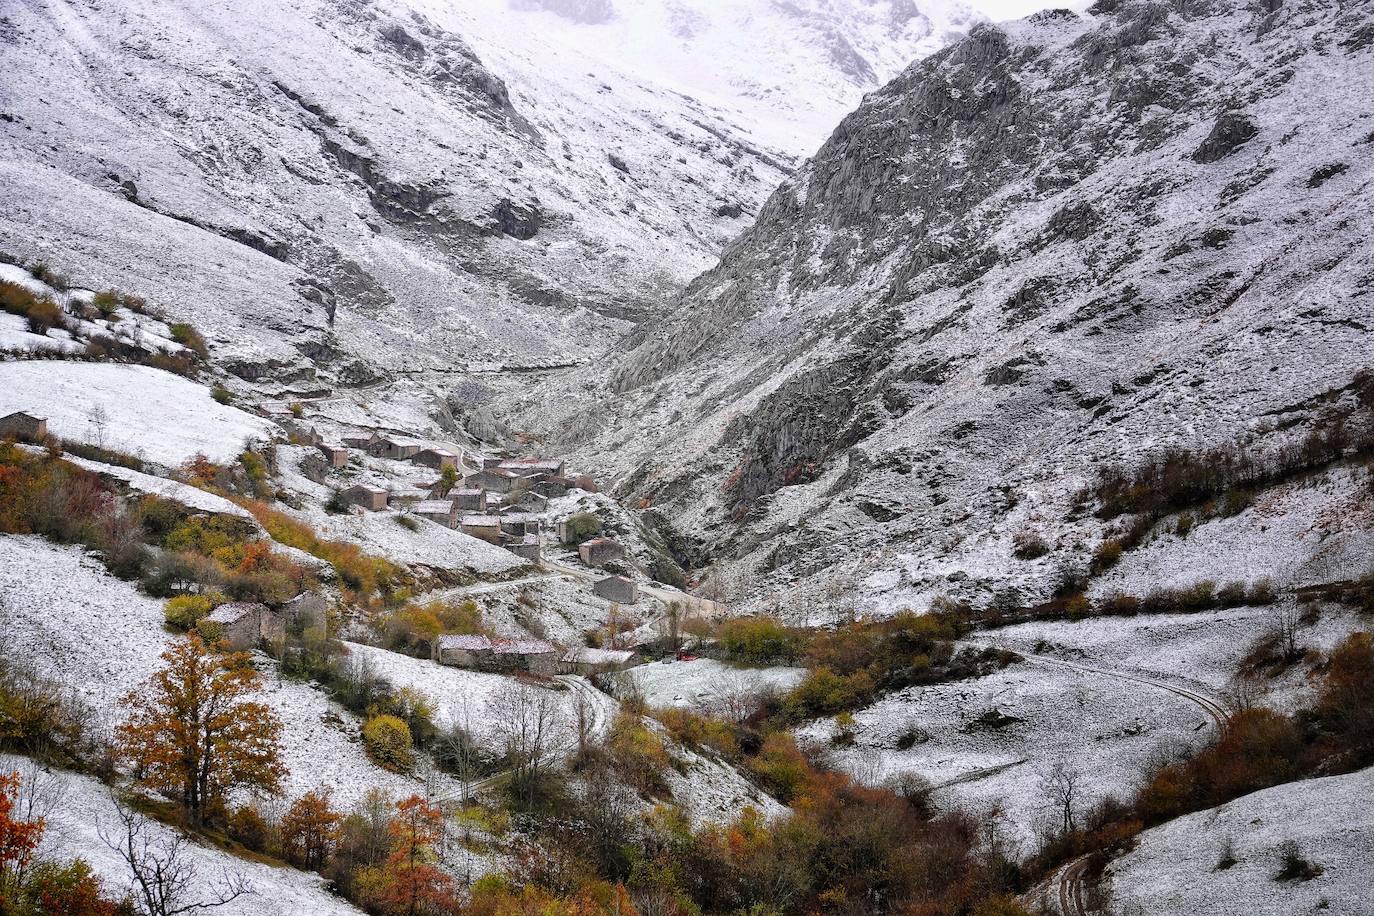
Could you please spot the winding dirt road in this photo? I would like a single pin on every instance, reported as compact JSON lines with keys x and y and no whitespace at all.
{"x":1070,"y":880}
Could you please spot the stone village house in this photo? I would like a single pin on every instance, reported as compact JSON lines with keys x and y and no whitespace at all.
{"x":481,"y":653}
{"x":22,"y":425}
{"x":617,"y":589}
{"x":600,"y":551}
{"x":370,"y":497}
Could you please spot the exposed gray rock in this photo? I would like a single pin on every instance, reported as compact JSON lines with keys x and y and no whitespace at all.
{"x":1231,"y":131}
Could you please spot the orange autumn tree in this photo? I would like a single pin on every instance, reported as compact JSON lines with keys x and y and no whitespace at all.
{"x":18,"y":839}
{"x":408,"y":883}
{"x":310,"y":830}
{"x":192,"y":733}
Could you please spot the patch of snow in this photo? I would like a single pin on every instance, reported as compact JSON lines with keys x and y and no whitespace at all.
{"x":1173,"y":867}
{"x":160,"y":416}
{"x":83,"y":809}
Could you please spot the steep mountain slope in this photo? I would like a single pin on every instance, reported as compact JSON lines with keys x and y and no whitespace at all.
{"x":1054,"y":247}
{"x":363,"y":188}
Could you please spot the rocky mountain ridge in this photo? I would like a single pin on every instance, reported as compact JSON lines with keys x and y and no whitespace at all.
{"x":1057,"y":246}
{"x":345,"y":191}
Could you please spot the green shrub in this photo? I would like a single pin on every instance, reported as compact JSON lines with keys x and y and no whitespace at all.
{"x":45,"y":274}
{"x":221,"y":394}
{"x":338,"y":504}
{"x":387,"y":739}
{"x":581,"y":527}
{"x":106,"y":302}
{"x":210,"y":631}
{"x":185,"y":611}
{"x":758,"y":639}
{"x":190,"y":338}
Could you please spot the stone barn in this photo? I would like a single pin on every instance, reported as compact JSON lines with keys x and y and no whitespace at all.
{"x":437,"y":458}
{"x":22,"y":425}
{"x":497,"y":480}
{"x":303,"y":611}
{"x":368,"y":496}
{"x":600,"y":551}
{"x":586,"y":662}
{"x":443,"y":511}
{"x":397,"y":447}
{"x":529,"y":548}
{"x":336,"y":455}
{"x":484,"y":527}
{"x":534,"y":656}
{"x":617,"y":589}
{"x":536,"y":468}
{"x":463,"y":651}
{"x":480,"y":653}
{"x":470,"y":500}
{"x":519,"y":524}
{"x":239,"y":624}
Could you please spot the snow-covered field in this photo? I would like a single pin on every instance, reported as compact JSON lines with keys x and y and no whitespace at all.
{"x":993,"y":741}
{"x":159,"y":416}
{"x":78,"y":809}
{"x":705,"y":684}
{"x":60,"y":611}
{"x":1173,"y":868}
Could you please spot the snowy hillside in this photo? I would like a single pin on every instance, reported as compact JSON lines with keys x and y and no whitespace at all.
{"x":783,"y":72}
{"x":1012,"y":267}
{"x":1175,"y":867}
{"x":336,"y":192}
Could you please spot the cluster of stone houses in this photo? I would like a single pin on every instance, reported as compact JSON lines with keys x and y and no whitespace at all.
{"x":501,"y":501}
{"x":531,"y":656}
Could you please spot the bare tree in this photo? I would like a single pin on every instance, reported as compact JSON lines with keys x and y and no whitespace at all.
{"x":866,"y":766}
{"x":531,"y":727}
{"x":458,"y":749}
{"x":100,"y":420}
{"x":1284,"y":621}
{"x":162,"y":876}
{"x":672,"y":625}
{"x":582,"y":720}
{"x":1062,"y":787}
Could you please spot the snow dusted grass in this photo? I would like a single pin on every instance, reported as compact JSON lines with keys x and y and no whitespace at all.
{"x":704,"y":683}
{"x":712,"y":792}
{"x":431,"y":544}
{"x":80,"y":807}
{"x":187,"y":495}
{"x":15,"y":335}
{"x":1314,"y":529}
{"x":157,"y":415}
{"x":1173,"y":868}
{"x":101,"y":638}
{"x":457,"y":694}
{"x":1107,"y":729}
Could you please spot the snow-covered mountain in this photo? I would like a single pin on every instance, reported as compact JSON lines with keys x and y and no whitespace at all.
{"x":1056,"y":246}
{"x":362,"y":189}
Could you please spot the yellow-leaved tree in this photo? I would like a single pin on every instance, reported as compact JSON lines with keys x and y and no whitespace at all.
{"x":192,"y":732}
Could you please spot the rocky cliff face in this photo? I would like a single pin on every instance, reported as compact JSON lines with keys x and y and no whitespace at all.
{"x":1058,"y":245}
